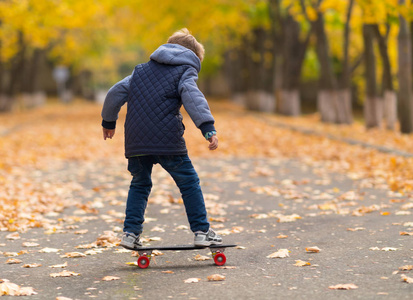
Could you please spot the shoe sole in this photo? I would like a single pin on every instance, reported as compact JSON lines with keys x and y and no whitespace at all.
{"x":206,"y":244}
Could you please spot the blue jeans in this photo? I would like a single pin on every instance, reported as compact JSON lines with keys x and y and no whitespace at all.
{"x":185,"y":177}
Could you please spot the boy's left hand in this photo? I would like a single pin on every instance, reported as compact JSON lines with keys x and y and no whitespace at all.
{"x":213,"y":142}
{"x":108,"y":133}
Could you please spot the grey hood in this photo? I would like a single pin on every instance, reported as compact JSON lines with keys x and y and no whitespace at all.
{"x":174,"y":54}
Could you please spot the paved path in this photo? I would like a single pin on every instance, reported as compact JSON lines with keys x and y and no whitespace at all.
{"x":254,"y":199}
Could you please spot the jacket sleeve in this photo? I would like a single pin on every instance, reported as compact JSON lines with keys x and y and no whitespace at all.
{"x":194,"y":101}
{"x":116,"y":97}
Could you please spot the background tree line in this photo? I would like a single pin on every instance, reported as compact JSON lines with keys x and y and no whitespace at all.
{"x":351,"y":51}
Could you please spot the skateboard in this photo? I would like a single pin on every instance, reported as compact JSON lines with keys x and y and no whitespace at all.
{"x":145,"y":253}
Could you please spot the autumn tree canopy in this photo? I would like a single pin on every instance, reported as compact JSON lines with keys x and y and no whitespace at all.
{"x":265,"y":48}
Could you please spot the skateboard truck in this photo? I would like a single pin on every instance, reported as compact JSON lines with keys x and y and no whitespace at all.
{"x":144,"y":258}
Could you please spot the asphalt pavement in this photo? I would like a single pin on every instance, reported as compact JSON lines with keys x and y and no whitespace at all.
{"x":262,"y":205}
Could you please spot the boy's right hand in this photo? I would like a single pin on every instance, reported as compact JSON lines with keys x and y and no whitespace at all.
{"x":213,"y":142}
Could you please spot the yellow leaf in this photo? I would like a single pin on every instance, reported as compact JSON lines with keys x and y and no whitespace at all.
{"x":407,"y":279}
{"x":31,"y":265}
{"x":110,"y":278}
{"x":59,"y":266}
{"x":301,"y":263}
{"x":192,"y":280}
{"x":73,"y":255}
{"x":314,"y":249}
{"x":200,"y":257}
{"x":64,"y":274}
{"x":347,"y":286}
{"x":216,"y":277}
{"x":282,"y":253}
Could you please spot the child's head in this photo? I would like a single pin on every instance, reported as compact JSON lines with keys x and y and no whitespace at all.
{"x":184,"y":38}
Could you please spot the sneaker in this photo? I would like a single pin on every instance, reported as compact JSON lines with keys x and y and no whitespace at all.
{"x":130,"y":240}
{"x":207,"y":238}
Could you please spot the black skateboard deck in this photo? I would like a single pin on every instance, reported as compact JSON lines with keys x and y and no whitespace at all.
{"x":145,"y":253}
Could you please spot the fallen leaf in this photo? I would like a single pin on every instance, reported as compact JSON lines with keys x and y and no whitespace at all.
{"x":31,"y":265}
{"x":281,"y":236}
{"x":10,"y":254}
{"x":301,"y":263}
{"x":227,"y":267}
{"x":64,"y":274}
{"x":406,"y":233}
{"x":49,"y":250}
{"x":157,"y":253}
{"x":108,"y":239}
{"x":407,"y":279}
{"x":93,"y":252}
{"x":73,"y":255}
{"x":406,"y":268}
{"x":389,"y":249}
{"x":13,"y":236}
{"x":192,"y":280}
{"x":216,"y":277}
{"x":29,"y":244}
{"x":347,"y":286}
{"x":122,"y":250}
{"x":314,"y":249}
{"x":63,"y":298}
{"x":11,"y":261}
{"x":288,"y":218}
{"x":259,"y":216}
{"x":356,"y":229}
{"x":11,"y":289}
{"x":200,"y":257}
{"x":110,"y":278}
{"x":83,"y":231}
{"x":282,"y":253}
{"x":168,"y":272}
{"x":59,"y":266}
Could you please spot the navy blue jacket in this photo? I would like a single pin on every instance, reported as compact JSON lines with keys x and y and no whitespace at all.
{"x":155,"y":93}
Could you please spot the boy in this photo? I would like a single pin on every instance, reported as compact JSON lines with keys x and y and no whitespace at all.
{"x":154,"y":131}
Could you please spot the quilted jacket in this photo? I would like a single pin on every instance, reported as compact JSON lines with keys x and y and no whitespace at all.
{"x":155,"y":93}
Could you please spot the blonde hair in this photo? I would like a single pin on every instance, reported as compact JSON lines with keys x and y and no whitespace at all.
{"x":184,"y":38}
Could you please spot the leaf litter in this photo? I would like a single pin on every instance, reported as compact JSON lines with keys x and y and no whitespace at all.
{"x":46,"y":202}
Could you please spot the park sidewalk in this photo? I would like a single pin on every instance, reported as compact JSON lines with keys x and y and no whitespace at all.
{"x":262,"y":204}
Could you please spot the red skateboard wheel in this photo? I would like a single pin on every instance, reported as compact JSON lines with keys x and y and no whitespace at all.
{"x":220,"y":259}
{"x":143,"y":262}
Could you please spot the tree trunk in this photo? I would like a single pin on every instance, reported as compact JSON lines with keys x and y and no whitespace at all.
{"x":31,"y":95}
{"x":373,"y":107}
{"x":260,"y":94}
{"x":405,"y":76}
{"x":344,"y":104}
{"x":289,"y":102}
{"x":327,"y":95}
{"x":344,"y":113}
{"x":390,"y":109}
{"x":237,"y":73}
{"x":293,"y":55}
{"x":390,"y":100}
{"x":326,"y":104}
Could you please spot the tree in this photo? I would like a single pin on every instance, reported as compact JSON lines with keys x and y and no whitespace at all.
{"x":389,"y":94}
{"x":373,"y":107}
{"x":404,"y":75}
{"x":291,"y":55}
{"x":334,"y":97}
